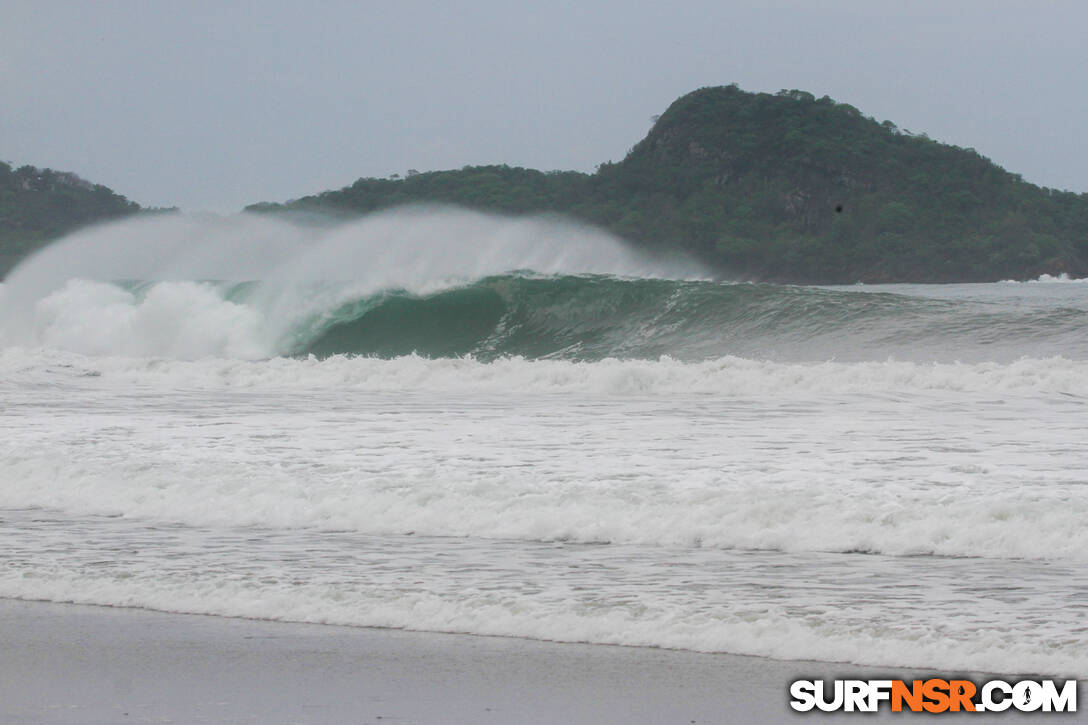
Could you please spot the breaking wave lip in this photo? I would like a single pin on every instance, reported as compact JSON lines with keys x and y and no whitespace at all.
{"x":443,"y":282}
{"x":527,"y":314}
{"x":68,"y":296}
{"x":420,"y":249}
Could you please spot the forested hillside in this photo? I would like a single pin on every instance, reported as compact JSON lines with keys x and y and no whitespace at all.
{"x":782,"y":187}
{"x":39,"y":205}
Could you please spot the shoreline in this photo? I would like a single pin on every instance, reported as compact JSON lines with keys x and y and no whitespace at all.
{"x":74,"y":663}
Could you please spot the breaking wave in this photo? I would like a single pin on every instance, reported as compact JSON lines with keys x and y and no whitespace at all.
{"x":445,"y":283}
{"x":574,"y":317}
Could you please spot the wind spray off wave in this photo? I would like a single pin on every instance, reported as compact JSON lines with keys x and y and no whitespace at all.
{"x":445,"y":283}
{"x":439,"y":420}
{"x":243,"y":286}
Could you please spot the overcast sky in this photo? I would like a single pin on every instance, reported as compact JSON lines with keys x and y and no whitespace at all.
{"x":213,"y":105}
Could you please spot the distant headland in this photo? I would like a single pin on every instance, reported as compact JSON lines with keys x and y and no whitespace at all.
{"x":781,"y":187}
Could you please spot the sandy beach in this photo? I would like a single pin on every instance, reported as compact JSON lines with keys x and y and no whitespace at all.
{"x":62,"y":663}
{"x":577,"y":364}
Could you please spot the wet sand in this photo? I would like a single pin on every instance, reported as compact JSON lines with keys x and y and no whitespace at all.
{"x":63,"y":663}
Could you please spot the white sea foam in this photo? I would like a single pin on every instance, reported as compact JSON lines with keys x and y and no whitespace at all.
{"x":1047,"y":279}
{"x":770,"y":631}
{"x":883,"y":512}
{"x":862,"y":609}
{"x":52,"y":298}
{"x":727,"y":376}
{"x":895,"y":458}
{"x":177,"y":319}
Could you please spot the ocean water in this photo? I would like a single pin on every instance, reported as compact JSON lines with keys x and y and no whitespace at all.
{"x":442,"y":421}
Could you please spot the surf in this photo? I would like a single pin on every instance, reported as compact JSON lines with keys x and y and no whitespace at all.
{"x":447,"y":283}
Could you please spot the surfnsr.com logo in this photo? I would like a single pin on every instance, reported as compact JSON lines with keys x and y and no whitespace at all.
{"x":933,"y":695}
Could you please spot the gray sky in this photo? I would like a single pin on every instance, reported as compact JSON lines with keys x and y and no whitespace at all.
{"x":213,"y":105}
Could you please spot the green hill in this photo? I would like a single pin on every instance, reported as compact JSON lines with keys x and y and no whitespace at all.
{"x":39,"y":205}
{"x":782,"y":187}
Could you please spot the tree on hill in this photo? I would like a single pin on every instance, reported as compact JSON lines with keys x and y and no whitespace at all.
{"x":40,"y":205}
{"x":785,"y":187}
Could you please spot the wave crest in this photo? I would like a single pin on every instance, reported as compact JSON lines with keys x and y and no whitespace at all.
{"x":573,"y":317}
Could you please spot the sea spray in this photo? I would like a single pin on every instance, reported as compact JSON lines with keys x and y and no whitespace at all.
{"x":532,"y":316}
{"x":305,"y":272}
{"x":556,"y":439}
{"x":441,"y":282}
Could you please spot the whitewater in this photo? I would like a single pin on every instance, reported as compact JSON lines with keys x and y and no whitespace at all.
{"x":438,"y":420}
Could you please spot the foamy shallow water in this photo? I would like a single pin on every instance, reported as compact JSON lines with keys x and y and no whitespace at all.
{"x":951,"y":613}
{"x":593,"y":446}
{"x":847,"y":513}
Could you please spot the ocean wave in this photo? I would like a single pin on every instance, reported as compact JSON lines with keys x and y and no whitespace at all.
{"x":446,"y":283}
{"x":573,"y":317}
